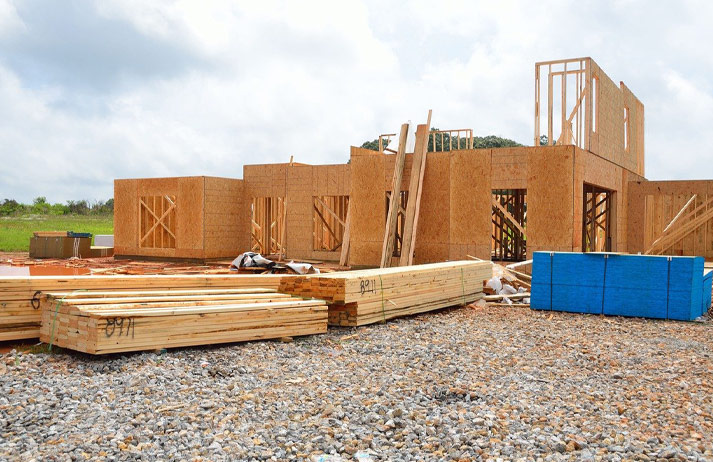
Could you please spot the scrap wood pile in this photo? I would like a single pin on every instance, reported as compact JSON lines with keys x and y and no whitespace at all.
{"x":110,"y":266}
{"x":362,"y":297}
{"x":20,"y":295}
{"x":508,"y":286}
{"x":100,"y":322}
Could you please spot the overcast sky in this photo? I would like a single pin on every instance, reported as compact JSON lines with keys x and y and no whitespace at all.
{"x":92,"y":91}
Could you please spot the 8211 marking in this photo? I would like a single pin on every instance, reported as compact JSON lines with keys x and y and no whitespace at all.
{"x":367,"y":286}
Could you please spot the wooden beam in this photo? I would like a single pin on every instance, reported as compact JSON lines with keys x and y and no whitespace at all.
{"x":159,"y":221}
{"x":326,"y":225}
{"x":387,"y":248}
{"x":682,"y":228}
{"x":680,"y":212}
{"x":330,"y":211}
{"x":413,"y":206}
{"x":508,"y":216}
{"x":344,"y":257}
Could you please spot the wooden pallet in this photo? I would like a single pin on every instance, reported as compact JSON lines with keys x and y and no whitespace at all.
{"x":19,"y":295}
{"x":364,"y":297}
{"x":100,"y":322}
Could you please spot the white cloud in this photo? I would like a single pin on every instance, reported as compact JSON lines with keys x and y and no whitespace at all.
{"x":10,"y":22}
{"x":255,"y":82}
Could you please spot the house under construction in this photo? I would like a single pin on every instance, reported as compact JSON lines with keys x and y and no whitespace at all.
{"x":580,"y":187}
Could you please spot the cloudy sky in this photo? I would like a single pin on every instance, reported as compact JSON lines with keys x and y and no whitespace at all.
{"x":92,"y":91}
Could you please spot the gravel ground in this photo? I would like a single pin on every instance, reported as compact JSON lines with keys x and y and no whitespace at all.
{"x":468,"y":384}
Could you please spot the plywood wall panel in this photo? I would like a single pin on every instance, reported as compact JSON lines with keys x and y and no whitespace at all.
{"x":653,"y":204}
{"x":126,"y":214}
{"x":190,"y":213}
{"x":226,"y":218}
{"x":509,"y":167}
{"x":470,"y":203}
{"x":368,"y":206}
{"x":550,"y":201}
{"x":189,"y":194}
{"x":265,"y":180}
{"x":434,"y":219}
{"x":595,"y":170}
{"x":298,"y":221}
{"x":608,"y":139}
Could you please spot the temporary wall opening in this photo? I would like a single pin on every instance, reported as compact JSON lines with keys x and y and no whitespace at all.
{"x":509,"y":225}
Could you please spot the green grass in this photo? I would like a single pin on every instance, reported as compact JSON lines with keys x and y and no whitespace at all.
{"x":15,"y":232}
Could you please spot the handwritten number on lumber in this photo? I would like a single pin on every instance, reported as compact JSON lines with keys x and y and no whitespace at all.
{"x":124,"y":325}
{"x":367,"y":285}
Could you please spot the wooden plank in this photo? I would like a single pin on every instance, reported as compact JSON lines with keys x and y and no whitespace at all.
{"x":392,"y":214}
{"x":367,"y":296}
{"x":127,"y":324}
{"x":418,"y":168}
{"x":346,"y":239}
{"x":508,"y":216}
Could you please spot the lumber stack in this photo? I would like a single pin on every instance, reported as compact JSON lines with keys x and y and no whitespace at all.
{"x":362,"y":297}
{"x":100,"y":322}
{"x":20,"y":295}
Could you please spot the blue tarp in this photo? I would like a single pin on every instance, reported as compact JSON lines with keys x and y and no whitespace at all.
{"x":621,"y":285}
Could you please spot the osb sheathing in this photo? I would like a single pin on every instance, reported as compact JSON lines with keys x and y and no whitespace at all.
{"x":509,"y":168}
{"x":653,"y":204}
{"x":297,"y":184}
{"x":454,"y":219}
{"x":470,"y":204}
{"x":550,"y":198}
{"x":206,"y":214}
{"x":595,"y":170}
{"x":607,"y":140}
{"x":432,"y":239}
{"x":368,"y":206}
{"x":456,"y":202}
{"x":226,"y":215}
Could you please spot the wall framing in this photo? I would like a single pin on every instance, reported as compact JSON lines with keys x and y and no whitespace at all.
{"x":207,"y":220}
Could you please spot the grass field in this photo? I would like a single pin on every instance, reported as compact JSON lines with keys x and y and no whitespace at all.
{"x":15,"y":232}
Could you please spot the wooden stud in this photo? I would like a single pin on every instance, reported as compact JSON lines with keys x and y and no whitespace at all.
{"x":391,"y":217}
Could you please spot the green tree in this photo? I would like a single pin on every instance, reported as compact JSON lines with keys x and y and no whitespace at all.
{"x":10,"y":207}
{"x":544,"y":140}
{"x":40,"y":206}
{"x":78,"y":207}
{"x":443,"y":142}
{"x":492,"y":141}
{"x":373,"y":144}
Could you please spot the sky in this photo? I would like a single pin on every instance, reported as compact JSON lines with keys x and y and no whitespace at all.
{"x":92,"y":91}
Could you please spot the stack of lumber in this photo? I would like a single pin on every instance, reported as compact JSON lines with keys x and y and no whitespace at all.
{"x":362,"y":297}
{"x":19,"y":295}
{"x":100,"y":322}
{"x":620,"y":285}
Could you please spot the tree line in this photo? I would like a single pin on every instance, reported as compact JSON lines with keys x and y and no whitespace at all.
{"x":40,"y":206}
{"x":444,"y":142}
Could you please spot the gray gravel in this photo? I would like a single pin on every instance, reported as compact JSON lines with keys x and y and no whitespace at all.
{"x":468,"y":384}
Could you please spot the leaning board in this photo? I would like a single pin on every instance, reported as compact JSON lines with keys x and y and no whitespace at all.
{"x":362,"y":297}
{"x":100,"y":322}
